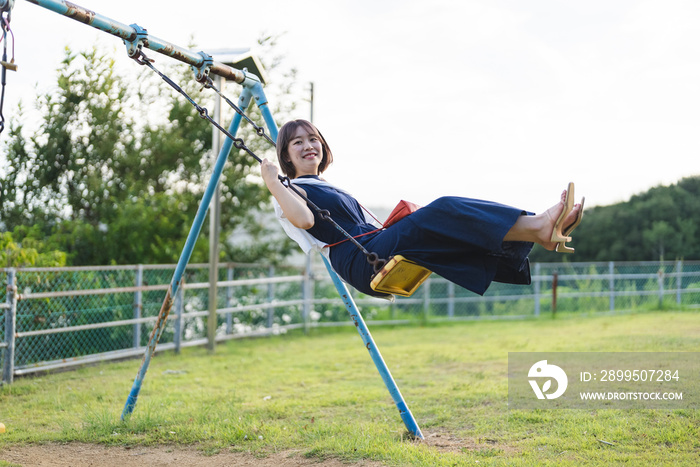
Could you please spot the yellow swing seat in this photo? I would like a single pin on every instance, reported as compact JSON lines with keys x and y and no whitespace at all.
{"x":400,"y":276}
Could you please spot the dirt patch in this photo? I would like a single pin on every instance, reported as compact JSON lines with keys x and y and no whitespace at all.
{"x":80,"y":454}
{"x":446,"y":442}
{"x":94,"y":455}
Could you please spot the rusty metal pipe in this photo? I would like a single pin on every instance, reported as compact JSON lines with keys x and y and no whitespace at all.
{"x":128,"y":33}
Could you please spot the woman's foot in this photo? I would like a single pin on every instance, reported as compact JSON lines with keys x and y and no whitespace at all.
{"x":539,"y":228}
{"x":550,"y":217}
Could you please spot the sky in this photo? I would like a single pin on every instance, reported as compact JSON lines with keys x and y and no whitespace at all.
{"x":506,"y":100}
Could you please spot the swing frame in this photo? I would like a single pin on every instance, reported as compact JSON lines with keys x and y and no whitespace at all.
{"x":136,"y":38}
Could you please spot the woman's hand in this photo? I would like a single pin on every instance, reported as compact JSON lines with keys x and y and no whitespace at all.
{"x":269,"y":172}
{"x":293,"y":206}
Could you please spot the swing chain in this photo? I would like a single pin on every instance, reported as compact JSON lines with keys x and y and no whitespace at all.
{"x":376,"y":262}
{"x":260,"y":131}
{"x":142,"y":59}
{"x":372,"y":258}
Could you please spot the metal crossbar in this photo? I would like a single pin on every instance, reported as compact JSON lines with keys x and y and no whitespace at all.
{"x":132,"y":33}
{"x":85,"y":327}
{"x":152,"y":288}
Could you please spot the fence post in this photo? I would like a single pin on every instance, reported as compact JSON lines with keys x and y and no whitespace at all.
{"x":661,"y":285}
{"x":538,"y":285}
{"x":426,"y":299}
{"x":179,"y":306}
{"x":213,"y":300}
{"x":270,"y":297}
{"x":229,"y":300}
{"x":679,"y":280}
{"x":611,"y":280}
{"x":306,"y":294}
{"x":10,"y":322}
{"x":450,"y":300}
{"x":312,"y":287}
{"x":555,"y":284}
{"x":138,"y":306}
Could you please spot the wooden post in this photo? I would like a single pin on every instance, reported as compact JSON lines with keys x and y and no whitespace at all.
{"x":138,"y":306}
{"x":555,"y":283}
{"x":10,"y":323}
{"x":538,"y":285}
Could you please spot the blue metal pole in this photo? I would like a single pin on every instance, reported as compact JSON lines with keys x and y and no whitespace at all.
{"x":184,"y":258}
{"x":258,"y":93}
{"x":384,"y":372}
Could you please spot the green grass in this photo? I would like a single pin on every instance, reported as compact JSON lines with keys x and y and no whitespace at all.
{"x":321,"y":394}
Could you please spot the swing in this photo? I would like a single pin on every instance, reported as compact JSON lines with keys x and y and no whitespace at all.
{"x":396,"y":276}
{"x":399,"y":276}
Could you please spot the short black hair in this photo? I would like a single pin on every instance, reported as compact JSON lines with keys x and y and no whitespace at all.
{"x":286,"y":134}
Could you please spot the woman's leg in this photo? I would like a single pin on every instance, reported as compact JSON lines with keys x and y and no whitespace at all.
{"x":538,"y":228}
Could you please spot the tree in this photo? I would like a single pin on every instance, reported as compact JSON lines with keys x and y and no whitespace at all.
{"x":33,"y":253}
{"x":109,"y":180}
{"x":65,"y":172}
{"x":660,"y":237}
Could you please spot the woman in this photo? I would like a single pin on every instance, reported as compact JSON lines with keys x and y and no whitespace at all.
{"x":469,"y":242}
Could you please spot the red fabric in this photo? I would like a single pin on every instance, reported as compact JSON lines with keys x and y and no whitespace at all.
{"x":403,"y":209}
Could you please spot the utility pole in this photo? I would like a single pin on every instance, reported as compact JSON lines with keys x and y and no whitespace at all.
{"x":239,"y":59}
{"x":308,"y":283}
{"x":311,"y":102}
{"x":214,"y":228}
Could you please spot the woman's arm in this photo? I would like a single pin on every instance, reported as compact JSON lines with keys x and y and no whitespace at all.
{"x":293,"y":206}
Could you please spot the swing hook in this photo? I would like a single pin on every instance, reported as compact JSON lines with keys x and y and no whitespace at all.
{"x":201,"y":72}
{"x":141,"y":59}
{"x":376,"y":262}
{"x":134,"y":46}
{"x":7,"y":5}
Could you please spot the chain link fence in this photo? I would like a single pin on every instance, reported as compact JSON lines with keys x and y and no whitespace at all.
{"x":58,"y":317}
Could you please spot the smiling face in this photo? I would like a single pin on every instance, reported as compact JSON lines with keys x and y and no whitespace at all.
{"x":305,"y":152}
{"x":302,"y":150}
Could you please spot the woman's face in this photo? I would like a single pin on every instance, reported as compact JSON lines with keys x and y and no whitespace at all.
{"x":305,"y":152}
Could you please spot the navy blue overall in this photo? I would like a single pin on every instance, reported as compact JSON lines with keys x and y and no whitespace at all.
{"x":460,"y":239}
